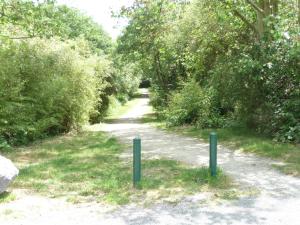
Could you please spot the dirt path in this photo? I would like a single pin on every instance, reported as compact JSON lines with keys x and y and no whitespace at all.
{"x":277,"y":203}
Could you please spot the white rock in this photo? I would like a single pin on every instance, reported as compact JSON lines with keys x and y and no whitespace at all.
{"x":8,"y":172}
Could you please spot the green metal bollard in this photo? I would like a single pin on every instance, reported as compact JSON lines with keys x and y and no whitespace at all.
{"x":136,"y":161}
{"x":213,"y":154}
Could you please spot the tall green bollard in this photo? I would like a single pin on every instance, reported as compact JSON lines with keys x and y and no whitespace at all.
{"x":213,"y":154}
{"x":136,"y":161}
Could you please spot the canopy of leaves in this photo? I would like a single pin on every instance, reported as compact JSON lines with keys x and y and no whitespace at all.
{"x":21,"y":19}
{"x":56,"y":70}
{"x":245,"y":52}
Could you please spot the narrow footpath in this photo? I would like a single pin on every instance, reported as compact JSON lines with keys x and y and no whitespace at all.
{"x":277,"y":203}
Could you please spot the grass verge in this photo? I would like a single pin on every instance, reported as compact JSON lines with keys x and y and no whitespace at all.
{"x":7,"y":197}
{"x":87,"y":167}
{"x":245,"y":140}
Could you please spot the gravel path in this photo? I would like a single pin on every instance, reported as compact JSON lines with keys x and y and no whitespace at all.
{"x":277,"y":203}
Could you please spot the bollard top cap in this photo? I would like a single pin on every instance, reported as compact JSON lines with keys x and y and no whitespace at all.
{"x":213,"y":133}
{"x":137,"y":137}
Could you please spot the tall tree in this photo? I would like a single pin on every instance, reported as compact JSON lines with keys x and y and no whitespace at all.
{"x":23,"y":19}
{"x":144,"y":37}
{"x":264,"y":10}
{"x":299,"y":12}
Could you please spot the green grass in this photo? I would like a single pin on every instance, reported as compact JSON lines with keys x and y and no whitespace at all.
{"x":245,"y":140}
{"x":164,"y":173}
{"x":7,"y":197}
{"x":87,"y":167}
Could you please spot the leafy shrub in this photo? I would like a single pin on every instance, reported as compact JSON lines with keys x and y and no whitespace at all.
{"x":46,"y":87}
{"x":126,"y":79}
{"x":190,"y":105}
{"x":103,"y":72}
{"x":4,"y":146}
{"x":282,"y":89}
{"x":262,"y":84}
{"x":158,"y":99}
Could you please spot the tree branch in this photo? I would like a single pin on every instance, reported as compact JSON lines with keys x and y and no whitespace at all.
{"x":244,"y":19}
{"x":256,"y":7}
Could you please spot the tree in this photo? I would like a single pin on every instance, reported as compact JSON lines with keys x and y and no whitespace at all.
{"x":24,"y":19}
{"x":240,"y":53}
{"x":21,"y":19}
{"x":145,"y":38}
{"x":74,"y":24}
{"x":299,"y":12}
{"x":55,"y":70}
{"x":265,"y":11}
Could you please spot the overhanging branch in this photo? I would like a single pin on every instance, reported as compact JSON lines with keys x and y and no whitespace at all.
{"x":256,"y":7}
{"x":244,"y":19}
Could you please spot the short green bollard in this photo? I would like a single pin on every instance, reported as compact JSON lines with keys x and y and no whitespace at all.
{"x":213,"y":154}
{"x":136,"y":161}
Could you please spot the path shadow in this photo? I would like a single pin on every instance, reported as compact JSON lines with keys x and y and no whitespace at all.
{"x":141,"y":95}
{"x":149,"y":117}
{"x":123,"y":121}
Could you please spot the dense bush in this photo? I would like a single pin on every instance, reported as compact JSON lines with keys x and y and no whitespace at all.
{"x":190,"y":105}
{"x":126,"y":79}
{"x":158,"y":98}
{"x":262,"y":84}
{"x":46,"y":87}
{"x":58,"y":71}
{"x":281,"y":85}
{"x":104,"y":70}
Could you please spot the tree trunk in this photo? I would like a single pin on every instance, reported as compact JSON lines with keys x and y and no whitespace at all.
{"x":268,"y":8}
{"x":275,"y":7}
{"x":299,"y":12}
{"x":159,"y":74}
{"x":260,"y":19}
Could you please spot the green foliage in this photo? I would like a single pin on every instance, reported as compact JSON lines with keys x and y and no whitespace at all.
{"x":193,"y":105}
{"x":22,"y":19}
{"x":7,"y":197}
{"x":158,"y":98}
{"x":263,"y":84}
{"x":26,"y":19}
{"x":74,"y":24}
{"x":126,"y":77}
{"x":103,"y":69}
{"x":56,"y":71}
{"x":146,"y":40}
{"x":244,"y":58}
{"x":47,"y":87}
{"x":190,"y":105}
